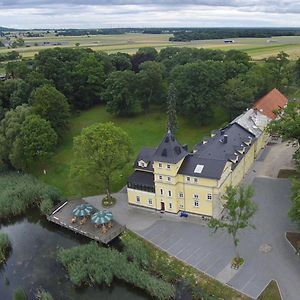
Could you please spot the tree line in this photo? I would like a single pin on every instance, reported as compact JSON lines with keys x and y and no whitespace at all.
{"x":41,"y":93}
{"x":187,"y":35}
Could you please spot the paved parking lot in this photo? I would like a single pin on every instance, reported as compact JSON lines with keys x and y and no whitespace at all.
{"x":212,"y":253}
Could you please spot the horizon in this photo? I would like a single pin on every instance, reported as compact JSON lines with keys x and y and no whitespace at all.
{"x":79,"y":14}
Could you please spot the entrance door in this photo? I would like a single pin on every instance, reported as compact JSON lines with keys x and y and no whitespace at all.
{"x":162,"y":206}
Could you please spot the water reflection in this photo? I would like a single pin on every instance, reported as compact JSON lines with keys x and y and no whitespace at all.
{"x":32,"y":263}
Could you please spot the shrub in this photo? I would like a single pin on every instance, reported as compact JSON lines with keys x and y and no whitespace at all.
{"x":89,"y":264}
{"x":46,"y":206}
{"x":43,"y":295}
{"x":19,"y":294}
{"x":136,"y":251}
{"x":4,"y":246}
{"x":18,"y":192}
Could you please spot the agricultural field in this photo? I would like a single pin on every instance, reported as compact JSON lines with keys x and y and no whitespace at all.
{"x":258,"y":48}
{"x":144,"y":130}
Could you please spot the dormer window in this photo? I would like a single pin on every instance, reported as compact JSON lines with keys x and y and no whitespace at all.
{"x":142,"y":164}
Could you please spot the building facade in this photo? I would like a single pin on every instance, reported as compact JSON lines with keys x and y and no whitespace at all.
{"x":171,"y":179}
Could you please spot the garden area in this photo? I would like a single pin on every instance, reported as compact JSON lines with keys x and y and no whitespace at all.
{"x":143,"y":130}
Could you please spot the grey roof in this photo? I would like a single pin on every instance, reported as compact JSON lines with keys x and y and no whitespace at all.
{"x":146,"y":154}
{"x":169,"y":150}
{"x":213,"y":168}
{"x":253,"y":121}
{"x":216,"y":149}
{"x":142,"y":178}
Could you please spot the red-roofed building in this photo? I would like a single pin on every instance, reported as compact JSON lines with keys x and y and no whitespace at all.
{"x":271,"y":102}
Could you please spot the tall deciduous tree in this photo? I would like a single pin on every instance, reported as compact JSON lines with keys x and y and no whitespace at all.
{"x":199,"y":87}
{"x":101,"y":150}
{"x":240,"y":209}
{"x":121,"y":95}
{"x":172,"y":122}
{"x":288,"y":125}
{"x":36,"y":141}
{"x":51,"y":105}
{"x":278,"y":66}
{"x":142,"y":55}
{"x":10,"y":128}
{"x":238,"y":96}
{"x":151,"y":85}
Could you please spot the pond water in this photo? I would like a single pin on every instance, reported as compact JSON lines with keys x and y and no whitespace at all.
{"x":32,"y":264}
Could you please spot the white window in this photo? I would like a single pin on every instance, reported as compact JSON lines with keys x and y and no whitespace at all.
{"x":168,"y":166}
{"x":209,"y":196}
{"x":188,"y":179}
{"x":196,"y":196}
{"x":199,"y":169}
{"x":180,"y":195}
{"x":170,"y":194}
{"x":160,"y":165}
{"x":150,"y":201}
{"x":161,"y":191}
{"x":160,"y":177}
{"x":181,"y":205}
{"x":195,"y":180}
{"x":138,"y":199}
{"x":170,"y":205}
{"x":196,"y":203}
{"x":169,"y":178}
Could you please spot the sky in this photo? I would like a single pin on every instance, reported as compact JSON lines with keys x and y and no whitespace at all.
{"x":148,"y":13}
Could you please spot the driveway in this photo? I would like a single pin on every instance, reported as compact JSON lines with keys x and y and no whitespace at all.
{"x":268,"y":255}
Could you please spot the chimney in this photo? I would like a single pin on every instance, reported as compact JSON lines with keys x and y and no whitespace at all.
{"x":222,"y":131}
{"x":225,"y":140}
{"x":185,"y":147}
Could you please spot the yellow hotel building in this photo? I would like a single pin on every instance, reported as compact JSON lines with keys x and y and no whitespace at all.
{"x":171,"y":179}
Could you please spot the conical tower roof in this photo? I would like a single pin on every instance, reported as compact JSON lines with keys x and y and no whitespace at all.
{"x":169,"y":150}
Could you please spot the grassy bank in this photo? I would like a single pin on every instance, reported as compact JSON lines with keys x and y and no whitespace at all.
{"x":4,"y":246}
{"x":270,"y":292}
{"x":173,"y":270}
{"x":18,"y":192}
{"x":142,"y":265}
{"x":144,"y":130}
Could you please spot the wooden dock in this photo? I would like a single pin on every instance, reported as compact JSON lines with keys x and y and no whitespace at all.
{"x":62,"y":215}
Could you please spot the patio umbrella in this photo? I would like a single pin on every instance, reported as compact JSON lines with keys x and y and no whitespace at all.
{"x":82,"y":210}
{"x":102,"y":217}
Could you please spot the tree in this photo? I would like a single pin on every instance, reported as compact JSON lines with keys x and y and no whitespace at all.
{"x":51,"y":105}
{"x":278,"y":66}
{"x":240,"y":209}
{"x":288,"y":125}
{"x":35,"y":141}
{"x":102,"y":150}
{"x":121,"y":61}
{"x":199,"y":87}
{"x":172,"y":123}
{"x":142,"y":55}
{"x":238,"y":96}
{"x":87,"y":81}
{"x":120,"y":93}
{"x":151,"y":85}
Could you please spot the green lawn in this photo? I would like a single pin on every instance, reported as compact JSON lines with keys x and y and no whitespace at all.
{"x":144,"y":130}
{"x":271,"y":292}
